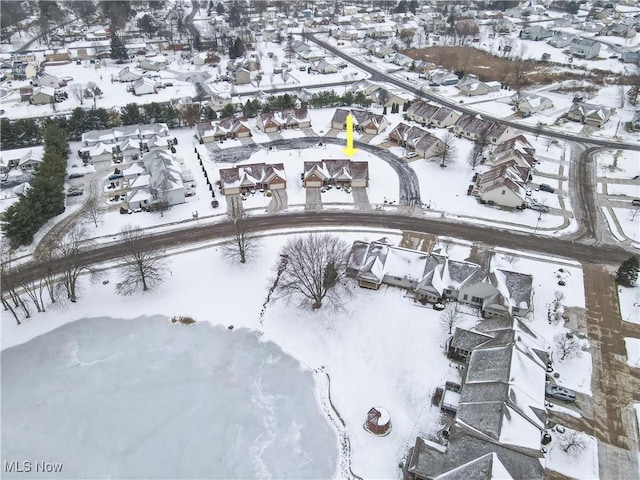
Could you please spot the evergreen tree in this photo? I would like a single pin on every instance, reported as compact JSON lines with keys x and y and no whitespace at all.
{"x":227,"y":111}
{"x":627,"y":274}
{"x":118,"y":52}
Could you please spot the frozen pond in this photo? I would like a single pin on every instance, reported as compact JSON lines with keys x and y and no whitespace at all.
{"x":146,"y":398}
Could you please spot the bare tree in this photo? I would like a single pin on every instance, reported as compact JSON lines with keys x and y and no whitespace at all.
{"x":68,"y":249}
{"x":446,"y":150}
{"x":450,"y":317}
{"x":573,"y":443}
{"x":242,"y":243}
{"x":633,"y":213}
{"x":567,"y":345}
{"x":92,"y":207}
{"x":143,"y":268}
{"x":8,"y":294}
{"x":511,"y":257}
{"x":77,"y":90}
{"x":548,"y":141}
{"x":407,"y":35}
{"x":475,"y":156}
{"x":315,"y":271}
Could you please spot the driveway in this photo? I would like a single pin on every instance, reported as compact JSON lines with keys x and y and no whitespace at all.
{"x":360,"y":198}
{"x":279,"y":201}
{"x":234,"y":206}
{"x":314,"y":199}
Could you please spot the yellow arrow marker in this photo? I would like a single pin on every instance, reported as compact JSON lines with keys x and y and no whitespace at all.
{"x":349,"y":150}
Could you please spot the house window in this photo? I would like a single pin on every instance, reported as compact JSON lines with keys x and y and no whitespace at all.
{"x":465,"y":296}
{"x":476,"y":299}
{"x":503,"y":191}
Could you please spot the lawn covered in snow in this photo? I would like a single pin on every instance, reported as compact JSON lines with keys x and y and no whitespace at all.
{"x":575,"y":462}
{"x":629,"y":301}
{"x":381,"y":350}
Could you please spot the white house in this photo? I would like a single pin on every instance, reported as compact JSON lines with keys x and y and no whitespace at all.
{"x":144,"y":86}
{"x":530,"y":102}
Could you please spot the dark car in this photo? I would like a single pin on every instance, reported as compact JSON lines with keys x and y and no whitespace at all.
{"x":74,"y":192}
{"x":635,"y":202}
{"x":76,"y":175}
{"x":115,"y":176}
{"x":546,"y":188}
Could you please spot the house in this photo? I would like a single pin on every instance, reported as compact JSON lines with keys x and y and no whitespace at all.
{"x":126,"y":75}
{"x":26,"y":159}
{"x":475,"y":128}
{"x":440,"y":77}
{"x":42,"y":96}
{"x":503,"y":185}
{"x":618,"y":29}
{"x":152,"y":65}
{"x":122,"y":143}
{"x":144,"y":86}
{"x":472,"y":87}
{"x":241,"y":76}
{"x":584,"y":48}
{"x":530,"y":102}
{"x":157,"y":178}
{"x":561,"y":39}
{"x":516,"y":149}
{"x":219,"y":130}
{"x":324,"y":67}
{"x":45,"y":79}
{"x":535,"y":32}
{"x":283,"y":119}
{"x":60,"y":55}
{"x":593,"y":115}
{"x":249,"y":178}
{"x":340,"y":172}
{"x":430,"y":277}
{"x":363,"y":121}
{"x":387,"y":98}
{"x":631,"y":57}
{"x":415,"y":139}
{"x":431,"y":115}
{"x":502,"y":293}
{"x":500,"y":412}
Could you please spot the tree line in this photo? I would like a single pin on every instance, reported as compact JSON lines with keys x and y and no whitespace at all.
{"x":26,"y":132}
{"x":44,"y":199}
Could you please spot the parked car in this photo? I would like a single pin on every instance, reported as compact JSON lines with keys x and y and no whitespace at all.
{"x":411,"y":155}
{"x":438,"y":306}
{"x":528,"y":192}
{"x":115,"y":176}
{"x":546,"y":188}
{"x":560,"y":393}
{"x":635,"y":202}
{"x":76,"y":175}
{"x":539,"y":207}
{"x":74,"y":192}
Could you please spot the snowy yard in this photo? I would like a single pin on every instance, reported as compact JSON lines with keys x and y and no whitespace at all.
{"x":629,"y":301}
{"x":573,"y":461}
{"x":383,"y":349}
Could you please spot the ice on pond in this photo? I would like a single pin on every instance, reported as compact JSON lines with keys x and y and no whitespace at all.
{"x":146,"y":398}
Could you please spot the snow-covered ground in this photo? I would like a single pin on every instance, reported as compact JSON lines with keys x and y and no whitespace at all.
{"x":383,"y":349}
{"x":632,"y":346}
{"x":629,"y":301}
{"x":576,"y":462}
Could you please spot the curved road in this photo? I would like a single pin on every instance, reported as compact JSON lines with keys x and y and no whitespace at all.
{"x":603,"y":254}
{"x":409,"y":187}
